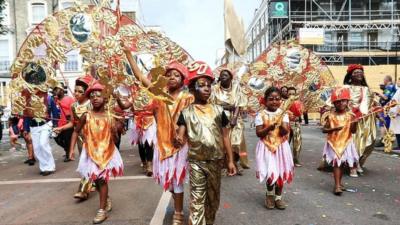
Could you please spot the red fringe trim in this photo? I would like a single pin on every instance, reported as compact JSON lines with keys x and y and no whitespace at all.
{"x":115,"y":172}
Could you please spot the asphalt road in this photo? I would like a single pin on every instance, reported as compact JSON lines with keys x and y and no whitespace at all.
{"x":28,"y":198}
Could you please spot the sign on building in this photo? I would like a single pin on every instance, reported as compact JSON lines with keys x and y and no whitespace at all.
{"x":279,"y":9}
{"x":311,"y":36}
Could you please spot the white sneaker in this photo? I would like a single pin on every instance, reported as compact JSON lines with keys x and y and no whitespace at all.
{"x":353,"y":173}
{"x":359,"y":169}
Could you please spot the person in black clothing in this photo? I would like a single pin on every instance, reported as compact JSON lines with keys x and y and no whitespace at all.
{"x":1,"y":123}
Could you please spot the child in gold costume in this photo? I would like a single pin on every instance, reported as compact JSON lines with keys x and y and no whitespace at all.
{"x":169,"y":162}
{"x":339,"y":125}
{"x":80,"y":107}
{"x":205,"y":126}
{"x":100,"y":157}
{"x":228,"y":94}
{"x":295,"y":112}
{"x":273,"y":155}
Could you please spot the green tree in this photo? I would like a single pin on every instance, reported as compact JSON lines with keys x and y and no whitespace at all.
{"x":3,"y":28}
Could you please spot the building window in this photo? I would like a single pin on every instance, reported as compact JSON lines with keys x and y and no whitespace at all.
{"x":67,"y":4}
{"x":38,"y":12}
{"x":73,"y":62}
{"x":4,"y":55}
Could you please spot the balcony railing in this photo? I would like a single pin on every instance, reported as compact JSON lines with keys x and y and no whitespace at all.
{"x":345,"y":15}
{"x":356,"y":45}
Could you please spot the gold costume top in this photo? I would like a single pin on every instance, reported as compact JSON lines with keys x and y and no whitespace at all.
{"x":99,"y":142}
{"x":362,"y":101}
{"x":79,"y":109}
{"x":144,"y":117}
{"x":338,"y":140}
{"x":232,"y":96}
{"x":204,"y":125}
{"x":362,"y":98}
{"x":273,"y":140}
{"x":166,"y":117}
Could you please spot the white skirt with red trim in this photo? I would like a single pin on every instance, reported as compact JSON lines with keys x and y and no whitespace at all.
{"x":274,"y":167}
{"x":349,"y":156}
{"x":137,"y":135}
{"x":90,"y":170}
{"x":171,"y":171}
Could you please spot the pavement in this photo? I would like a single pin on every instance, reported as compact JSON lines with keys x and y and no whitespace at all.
{"x":28,"y":198}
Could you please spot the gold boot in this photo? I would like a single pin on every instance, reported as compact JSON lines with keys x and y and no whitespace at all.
{"x":149,"y":169}
{"x":177,"y":219}
{"x":108,"y":205}
{"x":100,"y":217}
{"x":81,"y":195}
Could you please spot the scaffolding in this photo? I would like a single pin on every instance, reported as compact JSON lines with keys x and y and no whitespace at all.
{"x":362,"y":31}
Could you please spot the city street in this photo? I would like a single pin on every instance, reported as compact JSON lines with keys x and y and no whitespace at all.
{"x":28,"y":198}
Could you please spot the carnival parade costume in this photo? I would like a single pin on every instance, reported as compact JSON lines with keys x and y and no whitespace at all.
{"x":143,"y":132}
{"x":233,"y":96}
{"x":295,"y":127}
{"x":273,"y":155}
{"x":100,"y":158}
{"x":77,"y":111}
{"x":362,"y":101}
{"x":339,"y":148}
{"x":204,"y":125}
{"x":170,"y":163}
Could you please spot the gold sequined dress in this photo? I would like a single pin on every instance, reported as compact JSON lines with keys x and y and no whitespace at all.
{"x":273,"y":155}
{"x":170,"y":163}
{"x":339,"y":147}
{"x":100,"y":157}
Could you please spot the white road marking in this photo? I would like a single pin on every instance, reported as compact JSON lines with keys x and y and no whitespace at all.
{"x":159,"y":214}
{"x":65,"y":180}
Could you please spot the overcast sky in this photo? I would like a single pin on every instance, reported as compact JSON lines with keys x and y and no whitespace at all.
{"x":196,"y":25}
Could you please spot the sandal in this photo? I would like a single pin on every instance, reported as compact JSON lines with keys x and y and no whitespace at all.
{"x":338,"y":191}
{"x":177,"y":219}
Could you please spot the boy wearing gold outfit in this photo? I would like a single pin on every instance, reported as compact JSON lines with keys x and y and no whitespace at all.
{"x":205,"y":126}
{"x":229,"y":95}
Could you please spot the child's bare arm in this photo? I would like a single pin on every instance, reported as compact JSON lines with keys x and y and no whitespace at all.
{"x":75,"y":134}
{"x":179,"y":139}
{"x":136,"y":71}
{"x":284,"y":129}
{"x":262,"y":131}
{"x":229,"y":152}
{"x":353,"y":126}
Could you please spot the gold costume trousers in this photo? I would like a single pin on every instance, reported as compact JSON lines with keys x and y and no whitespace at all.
{"x":297,"y":142}
{"x":85,"y":186}
{"x":205,"y":184}
{"x":239,"y":143}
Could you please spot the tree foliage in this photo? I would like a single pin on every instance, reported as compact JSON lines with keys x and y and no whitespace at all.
{"x":3,"y":28}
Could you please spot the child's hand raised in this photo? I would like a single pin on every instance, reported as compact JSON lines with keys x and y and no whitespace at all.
{"x":124,"y":46}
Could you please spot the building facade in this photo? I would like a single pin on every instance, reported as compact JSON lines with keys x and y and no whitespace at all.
{"x":362,"y":31}
{"x":21,"y":17}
